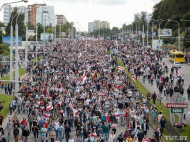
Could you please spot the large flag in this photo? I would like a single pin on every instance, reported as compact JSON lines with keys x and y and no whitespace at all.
{"x":50,"y":107}
{"x":120,"y":68}
{"x":134,"y":78}
{"x":180,"y":72}
{"x":47,"y":115}
{"x":83,"y":78}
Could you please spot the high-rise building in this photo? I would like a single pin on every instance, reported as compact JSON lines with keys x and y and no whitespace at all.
{"x":97,"y":24}
{"x":32,"y":10}
{"x":45,"y":16}
{"x":8,"y":10}
{"x":148,"y":16}
{"x":61,"y":19}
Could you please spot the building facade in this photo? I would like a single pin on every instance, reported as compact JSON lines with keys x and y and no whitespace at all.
{"x":8,"y":10}
{"x":45,"y":16}
{"x":97,"y":24}
{"x":61,"y":19}
{"x":32,"y":10}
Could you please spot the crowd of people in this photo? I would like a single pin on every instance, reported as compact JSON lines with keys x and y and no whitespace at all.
{"x":79,"y":87}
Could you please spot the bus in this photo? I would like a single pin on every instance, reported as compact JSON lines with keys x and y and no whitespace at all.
{"x":176,"y":56}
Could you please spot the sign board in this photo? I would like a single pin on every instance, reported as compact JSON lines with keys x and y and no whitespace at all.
{"x":165,"y":32}
{"x":46,"y":36}
{"x":176,"y":105}
{"x":177,"y":110}
{"x":156,"y":44}
{"x":143,"y":35}
{"x":6,"y":40}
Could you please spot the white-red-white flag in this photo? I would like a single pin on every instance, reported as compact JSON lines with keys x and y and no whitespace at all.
{"x":83,"y":78}
{"x":50,"y":107}
{"x":134,"y":78}
{"x":180,"y":72}
{"x":47,"y":115}
{"x":120,"y":68}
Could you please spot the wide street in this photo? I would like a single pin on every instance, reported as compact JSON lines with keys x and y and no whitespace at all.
{"x":185,"y":68}
{"x":31,"y":136}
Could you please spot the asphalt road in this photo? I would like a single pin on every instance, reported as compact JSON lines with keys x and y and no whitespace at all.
{"x":31,"y":136}
{"x":185,"y":68}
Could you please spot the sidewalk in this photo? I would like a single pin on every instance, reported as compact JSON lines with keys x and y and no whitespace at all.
{"x":5,"y":120}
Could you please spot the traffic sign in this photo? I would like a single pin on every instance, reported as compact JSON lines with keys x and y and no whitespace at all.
{"x":176,"y":105}
{"x":177,"y":110}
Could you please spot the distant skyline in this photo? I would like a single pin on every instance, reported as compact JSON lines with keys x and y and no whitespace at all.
{"x":116,"y":12}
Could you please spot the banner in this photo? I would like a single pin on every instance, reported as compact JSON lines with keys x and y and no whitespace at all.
{"x":165,"y":32}
{"x":7,"y":40}
{"x":46,"y":36}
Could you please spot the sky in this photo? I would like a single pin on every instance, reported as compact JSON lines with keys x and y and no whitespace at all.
{"x":116,"y":12}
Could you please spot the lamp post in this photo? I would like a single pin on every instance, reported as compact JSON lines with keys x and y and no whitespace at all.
{"x":11,"y":49}
{"x":16,"y":59}
{"x":160,"y":30}
{"x":13,"y":3}
{"x":178,"y":31}
{"x":143,"y":36}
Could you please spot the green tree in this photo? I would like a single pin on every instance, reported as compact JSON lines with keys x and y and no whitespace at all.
{"x":30,"y":26}
{"x":49,"y":30}
{"x":40,"y":30}
{"x":186,"y":25}
{"x":20,"y":21}
{"x":1,"y":32}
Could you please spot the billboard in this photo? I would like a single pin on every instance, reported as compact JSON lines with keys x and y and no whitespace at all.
{"x":165,"y":32}
{"x":6,"y":40}
{"x":46,"y":36}
{"x":156,"y":44}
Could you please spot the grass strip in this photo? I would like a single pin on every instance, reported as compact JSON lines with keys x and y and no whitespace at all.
{"x":6,"y":99}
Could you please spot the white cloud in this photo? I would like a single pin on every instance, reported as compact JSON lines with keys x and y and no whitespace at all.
{"x":117,"y":12}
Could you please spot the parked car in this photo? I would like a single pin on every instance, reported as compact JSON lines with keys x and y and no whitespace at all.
{"x":177,"y":65}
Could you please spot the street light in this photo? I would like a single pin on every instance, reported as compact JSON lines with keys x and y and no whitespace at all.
{"x":178,"y":31}
{"x":11,"y":50}
{"x":16,"y":57}
{"x":13,"y":2}
{"x":160,"y":30}
{"x":143,"y":36}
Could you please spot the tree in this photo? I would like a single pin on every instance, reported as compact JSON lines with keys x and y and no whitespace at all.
{"x":49,"y":30}
{"x":1,"y":32}
{"x":20,"y":22}
{"x":30,"y":26}
{"x":40,"y":30}
{"x":186,"y":42}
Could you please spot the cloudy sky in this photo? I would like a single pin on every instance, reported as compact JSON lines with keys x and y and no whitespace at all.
{"x":117,"y":12}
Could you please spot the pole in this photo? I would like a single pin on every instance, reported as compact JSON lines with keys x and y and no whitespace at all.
{"x":16,"y":60}
{"x":11,"y":53}
{"x":55,"y":33}
{"x":152,"y":32}
{"x":60,"y":32}
{"x":36,"y":39}
{"x":159,"y":35}
{"x":139,"y":33}
{"x":136,"y":30}
{"x":143,"y":36}
{"x":179,"y":37}
{"x":147,"y":35}
{"x":26,"y":45}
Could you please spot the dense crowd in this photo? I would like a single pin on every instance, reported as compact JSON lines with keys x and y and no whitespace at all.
{"x":78,"y":86}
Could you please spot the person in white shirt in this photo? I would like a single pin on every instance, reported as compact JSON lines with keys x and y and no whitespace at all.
{"x":70,"y":139}
{"x":112,"y":136}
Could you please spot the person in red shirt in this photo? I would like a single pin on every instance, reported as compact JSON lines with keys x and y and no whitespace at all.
{"x":23,"y":123}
